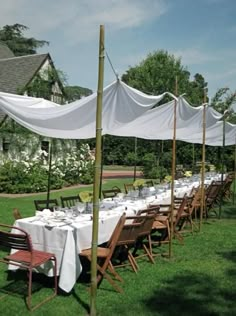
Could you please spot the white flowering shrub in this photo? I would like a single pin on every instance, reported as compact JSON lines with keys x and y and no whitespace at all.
{"x":20,"y":174}
{"x":77,"y":166}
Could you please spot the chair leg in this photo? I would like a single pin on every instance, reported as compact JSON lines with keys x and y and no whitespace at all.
{"x":148,"y":254}
{"x":179,"y":237}
{"x":133,"y":262}
{"x":28,"y":300}
{"x":109,"y":279}
{"x":113,"y":271}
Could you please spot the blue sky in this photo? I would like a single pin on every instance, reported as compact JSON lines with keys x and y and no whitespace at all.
{"x":201,"y":32}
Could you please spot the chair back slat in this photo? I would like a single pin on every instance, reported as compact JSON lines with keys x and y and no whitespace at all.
{"x":149,"y":183}
{"x":128,"y":187}
{"x":130,"y":232}
{"x":70,"y":201}
{"x":13,"y":240}
{"x":180,"y":210}
{"x":110,"y":193}
{"x":116,"y":233}
{"x":42,"y":204}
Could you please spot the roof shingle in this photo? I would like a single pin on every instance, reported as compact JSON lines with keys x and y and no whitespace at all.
{"x":17,"y":72}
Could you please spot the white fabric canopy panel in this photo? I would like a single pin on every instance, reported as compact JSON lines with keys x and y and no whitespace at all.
{"x":214,"y":135}
{"x":158,"y":123}
{"x":25,"y":101}
{"x":77,"y":120}
{"x":126,"y":112}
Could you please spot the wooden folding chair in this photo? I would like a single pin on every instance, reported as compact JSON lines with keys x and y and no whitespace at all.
{"x":186,"y":216}
{"x":178,"y":215}
{"x":227,"y":192}
{"x":25,"y":257}
{"x":128,"y":187}
{"x":147,"y":217}
{"x":213,"y":196}
{"x":40,"y":205}
{"x":179,"y":209}
{"x":104,"y":255}
{"x":149,"y":183}
{"x":127,"y":240}
{"x":16,"y":214}
{"x":70,"y":201}
{"x":110,"y":193}
{"x":160,"y":233}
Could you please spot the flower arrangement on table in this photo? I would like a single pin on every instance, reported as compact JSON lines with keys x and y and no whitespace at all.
{"x":188,"y":173}
{"x":86,"y":197}
{"x":139,"y":183}
{"x":168,"y":179}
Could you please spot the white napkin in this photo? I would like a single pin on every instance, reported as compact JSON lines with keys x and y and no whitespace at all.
{"x":46,"y":212}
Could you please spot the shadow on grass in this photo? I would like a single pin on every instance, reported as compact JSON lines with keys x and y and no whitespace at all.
{"x":16,"y":284}
{"x":192,"y":294}
{"x":229,"y":255}
{"x":229,"y":211}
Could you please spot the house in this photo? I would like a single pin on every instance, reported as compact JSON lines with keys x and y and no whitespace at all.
{"x":24,"y":75}
{"x":17,"y":74}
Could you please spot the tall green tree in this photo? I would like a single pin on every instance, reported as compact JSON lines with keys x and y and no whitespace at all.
{"x":222,"y":101}
{"x":157,"y":73}
{"x":196,"y":89}
{"x":13,"y":37}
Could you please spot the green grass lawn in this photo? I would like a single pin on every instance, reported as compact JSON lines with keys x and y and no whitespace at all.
{"x":200,"y":279}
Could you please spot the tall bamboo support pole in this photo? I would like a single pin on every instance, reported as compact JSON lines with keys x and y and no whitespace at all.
{"x":222,"y":164}
{"x":234,"y":185}
{"x":203,"y":161}
{"x":49,"y":173}
{"x":102,"y":165}
{"x":97,"y":174}
{"x":193,"y":161}
{"x":173,"y":173}
{"x":135,"y":155}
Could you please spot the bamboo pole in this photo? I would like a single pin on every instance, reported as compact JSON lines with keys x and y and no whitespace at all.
{"x":49,"y":173}
{"x":203,"y":161}
{"x":102,"y":165}
{"x":173,"y":173}
{"x":93,"y":293}
{"x":222,"y":165}
{"x":135,"y":155}
{"x":193,"y":161}
{"x":234,"y":185}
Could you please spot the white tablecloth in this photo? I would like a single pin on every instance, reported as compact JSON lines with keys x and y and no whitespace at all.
{"x":67,"y":241}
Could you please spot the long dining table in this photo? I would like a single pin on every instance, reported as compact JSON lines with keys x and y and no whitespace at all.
{"x":66,"y":236}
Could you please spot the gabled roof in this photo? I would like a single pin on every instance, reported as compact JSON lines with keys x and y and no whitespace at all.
{"x":17,"y":72}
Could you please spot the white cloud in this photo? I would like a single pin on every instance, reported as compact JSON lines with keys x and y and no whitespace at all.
{"x":78,"y":21}
{"x":194,"y":56}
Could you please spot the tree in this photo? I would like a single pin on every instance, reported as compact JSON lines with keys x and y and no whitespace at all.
{"x":157,"y":74}
{"x":222,"y":101}
{"x":13,"y":37}
{"x":75,"y":92}
{"x":195,"y":91}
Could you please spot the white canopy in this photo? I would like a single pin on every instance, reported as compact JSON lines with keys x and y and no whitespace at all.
{"x":158,"y":123}
{"x":121,"y":104}
{"x":214,"y":135}
{"x":126,"y":112}
{"x":25,"y":101}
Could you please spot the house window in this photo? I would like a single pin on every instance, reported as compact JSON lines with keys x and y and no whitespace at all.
{"x":45,"y":145}
{"x":5,"y":145}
